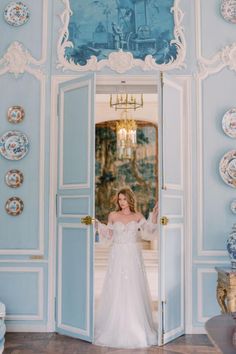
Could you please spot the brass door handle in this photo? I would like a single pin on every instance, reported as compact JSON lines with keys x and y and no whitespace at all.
{"x":87,"y":220}
{"x":164,"y":220}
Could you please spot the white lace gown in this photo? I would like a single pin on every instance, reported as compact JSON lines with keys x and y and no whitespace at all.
{"x":124,"y":315}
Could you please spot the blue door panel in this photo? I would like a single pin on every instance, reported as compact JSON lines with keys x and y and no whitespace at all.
{"x":74,"y":260}
{"x":75,"y":200}
{"x":171,"y":196}
{"x":74,"y":206}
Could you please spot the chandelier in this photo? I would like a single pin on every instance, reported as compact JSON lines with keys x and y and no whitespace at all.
{"x":126,"y":127}
{"x":126,"y":101}
{"x":126,"y":136}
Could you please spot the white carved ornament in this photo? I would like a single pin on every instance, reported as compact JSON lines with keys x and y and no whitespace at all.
{"x":225,"y":57}
{"x":17,"y":60}
{"x":120,"y":61}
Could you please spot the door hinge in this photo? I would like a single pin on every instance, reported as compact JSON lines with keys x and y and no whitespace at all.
{"x":55,"y":309}
{"x":162,"y":78}
{"x":162,"y":321}
{"x":56,"y":206}
{"x":58,"y":106}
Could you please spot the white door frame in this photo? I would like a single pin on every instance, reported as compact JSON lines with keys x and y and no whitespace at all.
{"x":186,"y":82}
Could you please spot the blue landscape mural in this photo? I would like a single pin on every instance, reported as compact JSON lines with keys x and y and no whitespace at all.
{"x":143,"y":27}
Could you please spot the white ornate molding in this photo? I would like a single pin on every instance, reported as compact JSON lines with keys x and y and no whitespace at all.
{"x":18,"y":60}
{"x":226,"y":57}
{"x":44,"y":44}
{"x":120,"y":61}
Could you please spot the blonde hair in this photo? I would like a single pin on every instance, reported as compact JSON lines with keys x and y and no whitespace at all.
{"x":130,"y":197}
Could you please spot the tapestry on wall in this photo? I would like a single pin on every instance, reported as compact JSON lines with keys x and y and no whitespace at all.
{"x":96,"y":28}
{"x":139,"y":173}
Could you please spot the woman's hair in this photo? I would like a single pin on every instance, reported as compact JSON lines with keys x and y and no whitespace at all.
{"x":130,"y":197}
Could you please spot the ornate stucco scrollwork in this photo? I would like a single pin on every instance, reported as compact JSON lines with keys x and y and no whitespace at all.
{"x":225,"y":57}
{"x":228,"y":56}
{"x":17,"y":60}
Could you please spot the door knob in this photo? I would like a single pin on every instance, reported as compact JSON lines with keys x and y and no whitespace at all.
{"x":164,"y":220}
{"x":87,"y":220}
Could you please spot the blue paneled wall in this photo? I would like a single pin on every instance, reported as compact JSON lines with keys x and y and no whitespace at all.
{"x":24,"y":81}
{"x":24,"y":239}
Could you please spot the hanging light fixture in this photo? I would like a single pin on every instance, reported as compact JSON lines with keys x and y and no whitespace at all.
{"x":126,"y":127}
{"x":126,"y":135}
{"x":126,"y":101}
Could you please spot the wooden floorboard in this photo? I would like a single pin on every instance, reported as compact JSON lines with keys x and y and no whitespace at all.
{"x":52,"y":343}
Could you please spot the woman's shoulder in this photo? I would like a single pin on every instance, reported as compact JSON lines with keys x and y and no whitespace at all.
{"x":112,"y":215}
{"x":139,"y":216}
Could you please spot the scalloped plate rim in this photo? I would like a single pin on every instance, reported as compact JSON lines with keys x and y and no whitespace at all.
{"x":227,"y":179}
{"x":26,"y":145}
{"x":10,"y":7}
{"x":21,"y":206}
{"x":21,"y":178}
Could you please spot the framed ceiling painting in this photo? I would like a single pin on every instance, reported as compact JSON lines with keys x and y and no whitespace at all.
{"x":121,"y":34}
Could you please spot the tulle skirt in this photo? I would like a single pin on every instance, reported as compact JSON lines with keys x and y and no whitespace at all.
{"x":124,"y":316}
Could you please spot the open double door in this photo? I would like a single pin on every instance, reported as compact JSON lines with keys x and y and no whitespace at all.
{"x":75,"y":199}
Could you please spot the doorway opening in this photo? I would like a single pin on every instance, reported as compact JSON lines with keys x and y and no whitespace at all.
{"x":75,"y":199}
{"x":139,"y":172}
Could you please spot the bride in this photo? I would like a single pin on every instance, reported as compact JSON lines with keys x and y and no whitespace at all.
{"x":124,"y":316}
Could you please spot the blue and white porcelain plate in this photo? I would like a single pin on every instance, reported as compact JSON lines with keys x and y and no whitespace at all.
{"x":15,"y":114}
{"x":16,"y":13}
{"x":229,"y":123}
{"x":14,"y":145}
{"x":14,"y":178}
{"x":227,"y":168}
{"x":14,"y":206}
{"x":233,"y":206}
{"x":228,"y":10}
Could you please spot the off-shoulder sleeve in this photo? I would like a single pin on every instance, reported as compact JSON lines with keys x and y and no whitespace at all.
{"x":105,"y":231}
{"x":149,"y":230}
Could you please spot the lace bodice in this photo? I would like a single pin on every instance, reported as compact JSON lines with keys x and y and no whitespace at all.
{"x":124,"y":233}
{"x":119,"y":232}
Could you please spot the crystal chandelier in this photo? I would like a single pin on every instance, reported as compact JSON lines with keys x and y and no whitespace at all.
{"x":126,"y":129}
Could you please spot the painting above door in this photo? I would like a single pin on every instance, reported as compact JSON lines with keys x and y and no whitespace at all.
{"x":121,"y":34}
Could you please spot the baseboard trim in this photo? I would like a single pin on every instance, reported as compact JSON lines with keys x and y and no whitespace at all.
{"x":196,"y":330}
{"x":26,"y":328}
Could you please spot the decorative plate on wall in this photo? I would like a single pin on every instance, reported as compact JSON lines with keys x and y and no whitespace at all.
{"x":228,"y":10}
{"x":14,"y":178}
{"x":233,"y":206}
{"x":15,"y":114}
{"x":229,"y":123}
{"x":16,"y":13}
{"x":228,"y":168}
{"x":14,"y":206}
{"x":14,"y":145}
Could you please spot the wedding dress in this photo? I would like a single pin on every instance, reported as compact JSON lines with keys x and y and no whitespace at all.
{"x":124,"y":315}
